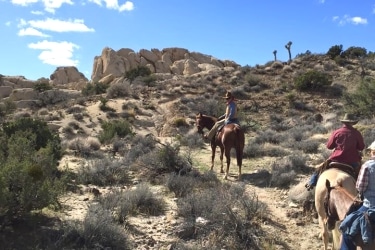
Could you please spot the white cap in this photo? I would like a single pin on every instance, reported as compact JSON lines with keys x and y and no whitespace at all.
{"x":372,"y":146}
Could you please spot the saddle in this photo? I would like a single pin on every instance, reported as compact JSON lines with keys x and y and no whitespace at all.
{"x":338,"y":165}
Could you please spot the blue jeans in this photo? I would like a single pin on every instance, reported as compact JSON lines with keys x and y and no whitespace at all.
{"x":347,"y":241}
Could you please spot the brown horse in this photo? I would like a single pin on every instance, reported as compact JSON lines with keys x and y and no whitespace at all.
{"x":231,"y":136}
{"x":338,"y":203}
{"x":328,"y":221}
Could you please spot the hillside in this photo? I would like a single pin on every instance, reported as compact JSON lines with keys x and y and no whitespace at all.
{"x":285,"y":134}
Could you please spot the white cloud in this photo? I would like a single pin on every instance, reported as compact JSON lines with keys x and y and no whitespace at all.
{"x":113,"y":4}
{"x":56,"y":25}
{"x":8,"y":23}
{"x":56,"y":53}
{"x":31,"y":32}
{"x":24,"y":2}
{"x":352,"y":20}
{"x":49,"y":5}
{"x":38,"y":13}
{"x":358,"y":20}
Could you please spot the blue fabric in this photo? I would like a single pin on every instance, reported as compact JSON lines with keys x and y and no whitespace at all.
{"x":229,"y":121}
{"x":356,"y":223}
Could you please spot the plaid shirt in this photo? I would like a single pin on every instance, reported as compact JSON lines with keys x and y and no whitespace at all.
{"x":366,"y":183}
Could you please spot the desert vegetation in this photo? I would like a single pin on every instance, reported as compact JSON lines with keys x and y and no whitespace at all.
{"x":130,"y":153}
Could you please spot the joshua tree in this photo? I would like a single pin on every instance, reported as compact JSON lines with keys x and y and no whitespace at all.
{"x":287,"y":46}
{"x":274,"y":54}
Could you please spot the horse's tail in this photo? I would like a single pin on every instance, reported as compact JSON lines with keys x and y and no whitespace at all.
{"x":240,"y":144}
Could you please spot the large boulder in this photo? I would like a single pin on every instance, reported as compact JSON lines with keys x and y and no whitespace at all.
{"x":65,"y":75}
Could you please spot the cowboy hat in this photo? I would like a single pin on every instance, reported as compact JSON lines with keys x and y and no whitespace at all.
{"x":349,"y":118}
{"x":228,"y":95}
{"x":372,"y":146}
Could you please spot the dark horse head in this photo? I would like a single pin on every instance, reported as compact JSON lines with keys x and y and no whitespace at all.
{"x":204,"y":121}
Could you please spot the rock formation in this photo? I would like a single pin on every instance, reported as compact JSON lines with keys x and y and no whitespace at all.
{"x":169,"y":60}
{"x":65,"y":75}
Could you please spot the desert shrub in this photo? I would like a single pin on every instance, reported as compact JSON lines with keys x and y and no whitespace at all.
{"x":282,"y":174}
{"x":97,"y":231}
{"x":29,"y":178}
{"x":181,"y":185}
{"x":139,"y":71}
{"x":141,"y":145}
{"x":165,"y":159}
{"x":308,"y":146}
{"x":312,"y":80}
{"x":270,"y":136}
{"x":139,"y":200}
{"x":7,"y":107}
{"x":191,"y":140}
{"x":180,"y":122}
{"x":361,"y":101}
{"x":95,"y":88}
{"x":224,"y":216}
{"x":42,"y":86}
{"x":43,"y":135}
{"x":103,"y":105}
{"x":334,"y":51}
{"x":252,"y":149}
{"x":110,"y":129}
{"x":119,"y":89}
{"x":341,"y":61}
{"x":208,"y":107}
{"x":354,"y":52}
{"x":84,"y":146}
{"x":103,"y":172}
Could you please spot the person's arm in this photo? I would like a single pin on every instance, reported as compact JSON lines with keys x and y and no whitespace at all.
{"x":331,"y":141}
{"x":362,"y":180}
{"x":360,"y":142}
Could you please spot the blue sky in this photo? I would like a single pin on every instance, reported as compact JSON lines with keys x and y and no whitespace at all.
{"x":39,"y":35}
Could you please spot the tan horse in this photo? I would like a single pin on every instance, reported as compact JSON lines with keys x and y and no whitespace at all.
{"x":335,"y":177}
{"x":339,"y":202}
{"x":231,"y":136}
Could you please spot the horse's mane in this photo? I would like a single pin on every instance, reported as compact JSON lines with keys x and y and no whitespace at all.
{"x":200,"y":114}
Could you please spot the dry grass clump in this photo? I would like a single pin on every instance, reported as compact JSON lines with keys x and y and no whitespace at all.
{"x":221,"y":217}
{"x":103,"y":172}
{"x":97,"y":231}
{"x":84,"y":146}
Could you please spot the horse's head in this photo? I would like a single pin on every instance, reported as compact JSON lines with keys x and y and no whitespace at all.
{"x":199,"y":123}
{"x":338,"y":195}
{"x":330,"y":208}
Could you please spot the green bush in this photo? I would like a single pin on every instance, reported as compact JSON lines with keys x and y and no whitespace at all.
{"x":361,"y":101}
{"x":42,"y":86}
{"x":334,"y":51}
{"x":29,"y":178}
{"x":95,"y":88}
{"x":312,"y":81}
{"x":110,"y":129}
{"x":139,"y":71}
{"x":38,"y":127}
